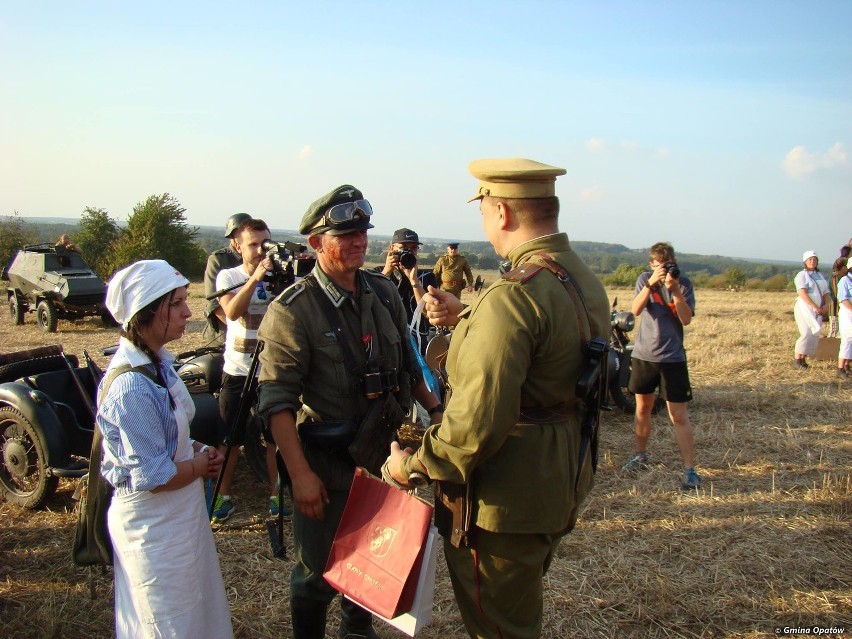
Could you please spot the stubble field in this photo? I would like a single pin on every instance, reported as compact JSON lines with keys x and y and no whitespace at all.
{"x":765,"y":544}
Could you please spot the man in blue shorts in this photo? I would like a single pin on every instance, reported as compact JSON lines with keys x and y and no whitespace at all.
{"x":665,"y":303}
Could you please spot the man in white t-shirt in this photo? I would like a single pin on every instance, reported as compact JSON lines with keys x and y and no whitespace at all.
{"x":244,"y":307}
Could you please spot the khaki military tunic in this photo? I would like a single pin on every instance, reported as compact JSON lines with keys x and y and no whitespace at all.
{"x":451,"y":271}
{"x":517,"y":347}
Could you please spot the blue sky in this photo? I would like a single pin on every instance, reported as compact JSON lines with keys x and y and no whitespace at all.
{"x":723,"y":127}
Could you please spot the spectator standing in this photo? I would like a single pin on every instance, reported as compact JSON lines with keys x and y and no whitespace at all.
{"x":810,"y":308}
{"x":315,"y":402}
{"x":244,"y":308}
{"x":838,"y":270}
{"x":167,"y":577}
{"x":410,"y":282}
{"x":452,"y":269}
{"x":222,"y":258}
{"x":664,"y":302}
{"x":505,"y":456}
{"x":844,"y":299}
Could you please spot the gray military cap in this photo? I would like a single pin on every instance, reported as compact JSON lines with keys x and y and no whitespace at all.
{"x":314,"y":221}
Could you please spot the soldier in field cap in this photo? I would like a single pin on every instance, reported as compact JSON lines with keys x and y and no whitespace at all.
{"x":452,"y":269}
{"x":506,"y":458}
{"x":325,"y":338}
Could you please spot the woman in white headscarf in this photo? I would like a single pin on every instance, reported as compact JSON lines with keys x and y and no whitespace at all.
{"x":811,"y":306}
{"x":168,"y":582}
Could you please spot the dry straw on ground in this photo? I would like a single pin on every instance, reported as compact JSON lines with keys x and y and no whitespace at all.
{"x":764,"y":544}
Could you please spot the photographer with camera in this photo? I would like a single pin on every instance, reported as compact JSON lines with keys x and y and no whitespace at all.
{"x":664,"y":303}
{"x":218,"y":260}
{"x":244,"y":307}
{"x":401,"y":268}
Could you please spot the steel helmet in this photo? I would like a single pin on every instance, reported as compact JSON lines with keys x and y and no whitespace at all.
{"x":234,"y":222}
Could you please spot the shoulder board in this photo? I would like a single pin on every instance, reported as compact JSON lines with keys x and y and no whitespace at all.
{"x":221,"y":251}
{"x":523,"y":273}
{"x":293,"y":292}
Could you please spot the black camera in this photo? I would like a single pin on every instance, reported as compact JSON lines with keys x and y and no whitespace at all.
{"x":406,"y":258}
{"x":288,"y":263}
{"x":672,"y":269}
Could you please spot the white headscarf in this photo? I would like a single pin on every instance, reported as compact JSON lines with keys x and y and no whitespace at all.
{"x":134,"y":287}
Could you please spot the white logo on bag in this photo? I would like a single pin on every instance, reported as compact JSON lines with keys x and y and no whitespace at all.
{"x":381,"y":540}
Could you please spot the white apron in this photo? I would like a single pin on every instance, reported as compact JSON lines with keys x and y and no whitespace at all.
{"x":168,"y":582}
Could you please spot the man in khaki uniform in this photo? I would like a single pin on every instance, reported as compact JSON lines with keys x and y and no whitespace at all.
{"x":507,"y":448}
{"x":451,"y":270}
{"x":324,"y":338}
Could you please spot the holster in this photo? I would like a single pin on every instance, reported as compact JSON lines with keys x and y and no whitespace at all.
{"x":453,"y":512}
{"x":328,"y":435}
{"x":371,"y":444}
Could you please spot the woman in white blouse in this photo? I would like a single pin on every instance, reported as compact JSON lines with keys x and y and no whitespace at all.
{"x":168,"y":582}
{"x":811,"y":307}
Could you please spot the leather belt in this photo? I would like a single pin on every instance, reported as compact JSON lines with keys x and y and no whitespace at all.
{"x":548,"y":415}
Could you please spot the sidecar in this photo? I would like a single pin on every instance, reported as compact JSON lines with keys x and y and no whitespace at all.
{"x":47,"y":409}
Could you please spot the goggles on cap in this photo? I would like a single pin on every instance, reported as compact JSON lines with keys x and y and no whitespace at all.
{"x":342,"y":214}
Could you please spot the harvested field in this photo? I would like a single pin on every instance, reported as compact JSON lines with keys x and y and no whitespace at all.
{"x":765,"y":544}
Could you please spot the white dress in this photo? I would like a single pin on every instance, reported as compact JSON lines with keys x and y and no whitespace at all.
{"x":168,"y":582}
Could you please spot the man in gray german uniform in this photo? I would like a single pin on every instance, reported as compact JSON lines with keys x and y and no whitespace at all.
{"x":452,"y":269}
{"x":505,"y":457}
{"x":219,"y":260}
{"x":336,"y":361}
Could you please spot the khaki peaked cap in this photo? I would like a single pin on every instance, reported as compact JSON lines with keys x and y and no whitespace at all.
{"x":514,"y":178}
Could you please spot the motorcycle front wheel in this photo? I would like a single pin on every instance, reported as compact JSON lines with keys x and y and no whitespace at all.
{"x":622,"y":396}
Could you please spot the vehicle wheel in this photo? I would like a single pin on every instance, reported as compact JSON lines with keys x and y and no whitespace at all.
{"x":24,"y":479}
{"x":47,"y":316}
{"x":16,"y":311}
{"x":624,"y":398}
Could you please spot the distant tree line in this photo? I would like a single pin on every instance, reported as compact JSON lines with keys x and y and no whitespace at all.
{"x":157,"y":228}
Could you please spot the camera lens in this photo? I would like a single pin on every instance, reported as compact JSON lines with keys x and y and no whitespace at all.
{"x":407,"y":259}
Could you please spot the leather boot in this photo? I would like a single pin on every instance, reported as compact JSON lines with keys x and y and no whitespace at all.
{"x":308,"y":617}
{"x":355,"y":622}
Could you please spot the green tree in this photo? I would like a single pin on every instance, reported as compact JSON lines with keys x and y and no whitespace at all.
{"x":14,"y":234}
{"x":624,"y":275}
{"x":734,"y":277}
{"x":95,"y":239}
{"x":157,"y":229}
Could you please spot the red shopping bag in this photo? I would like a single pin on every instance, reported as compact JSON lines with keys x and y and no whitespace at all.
{"x":378,"y":547}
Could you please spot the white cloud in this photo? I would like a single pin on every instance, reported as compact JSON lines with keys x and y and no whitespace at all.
{"x":630,"y":146}
{"x":596,"y":145}
{"x":662,"y":153}
{"x":306,"y":151}
{"x":591,"y":194}
{"x":800,"y":162}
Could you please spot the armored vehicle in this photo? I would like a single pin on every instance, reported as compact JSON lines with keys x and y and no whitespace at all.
{"x":56,"y":283}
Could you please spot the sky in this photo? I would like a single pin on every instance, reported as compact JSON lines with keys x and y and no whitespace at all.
{"x":722,"y":127}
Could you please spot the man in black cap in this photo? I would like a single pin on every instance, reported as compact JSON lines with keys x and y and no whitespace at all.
{"x":452,"y":269}
{"x":219,"y":260}
{"x":325,"y":338}
{"x":401,"y":268}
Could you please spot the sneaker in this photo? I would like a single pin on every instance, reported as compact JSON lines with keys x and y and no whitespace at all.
{"x":222,"y":510}
{"x":639,"y":461}
{"x":275,"y":507}
{"x":691,"y":479}
{"x":800,"y":364}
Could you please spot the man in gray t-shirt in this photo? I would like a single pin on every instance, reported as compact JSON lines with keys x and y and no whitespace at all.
{"x":664,"y":302}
